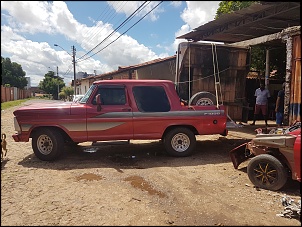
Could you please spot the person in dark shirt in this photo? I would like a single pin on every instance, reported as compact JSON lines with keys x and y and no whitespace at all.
{"x":280,"y":106}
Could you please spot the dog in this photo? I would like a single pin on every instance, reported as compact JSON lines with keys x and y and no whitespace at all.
{"x":3,"y":145}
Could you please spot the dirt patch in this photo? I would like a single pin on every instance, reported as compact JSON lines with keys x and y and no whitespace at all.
{"x":136,"y":184}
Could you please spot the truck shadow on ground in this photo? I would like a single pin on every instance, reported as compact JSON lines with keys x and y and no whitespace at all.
{"x":135,"y":156}
{"x":145,"y":156}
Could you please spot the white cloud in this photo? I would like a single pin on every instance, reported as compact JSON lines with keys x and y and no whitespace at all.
{"x":176,"y":3}
{"x":27,"y":18}
{"x":46,"y":17}
{"x":194,"y":15}
{"x":198,"y":13}
{"x":128,"y":8}
{"x":8,"y":34}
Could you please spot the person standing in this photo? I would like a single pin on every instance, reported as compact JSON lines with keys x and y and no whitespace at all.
{"x":262,"y":95}
{"x":279,"y":109}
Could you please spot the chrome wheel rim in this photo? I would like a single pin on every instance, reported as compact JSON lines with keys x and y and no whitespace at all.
{"x":44,"y":144}
{"x":180,"y":142}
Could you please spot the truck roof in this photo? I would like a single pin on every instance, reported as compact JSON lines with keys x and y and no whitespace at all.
{"x":132,"y":81}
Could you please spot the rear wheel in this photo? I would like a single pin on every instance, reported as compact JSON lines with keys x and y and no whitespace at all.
{"x":180,"y":142}
{"x":266,"y":171}
{"x":47,"y":144}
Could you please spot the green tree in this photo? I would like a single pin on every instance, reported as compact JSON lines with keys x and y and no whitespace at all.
{"x":258,"y":53}
{"x":52,"y":84}
{"x":12,"y":74}
{"x":68,"y":91}
{"x":231,"y":6}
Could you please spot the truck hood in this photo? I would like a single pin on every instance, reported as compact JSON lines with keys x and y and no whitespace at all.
{"x":36,"y":109}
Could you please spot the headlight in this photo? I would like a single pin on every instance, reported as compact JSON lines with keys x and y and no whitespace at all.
{"x":16,"y":125}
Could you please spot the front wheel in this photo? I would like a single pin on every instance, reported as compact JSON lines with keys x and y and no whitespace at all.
{"x":47,"y":144}
{"x":266,"y":171}
{"x":180,"y":142}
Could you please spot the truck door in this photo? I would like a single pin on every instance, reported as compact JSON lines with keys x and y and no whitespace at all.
{"x":114,"y":121}
{"x":152,"y":115}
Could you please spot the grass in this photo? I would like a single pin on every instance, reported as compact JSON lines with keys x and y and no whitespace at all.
{"x":6,"y":105}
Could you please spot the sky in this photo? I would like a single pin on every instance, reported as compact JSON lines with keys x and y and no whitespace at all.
{"x":104,"y":34}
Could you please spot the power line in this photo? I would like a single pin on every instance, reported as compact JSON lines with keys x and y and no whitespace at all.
{"x":68,"y":70}
{"x":93,"y":32}
{"x":119,"y":35}
{"x":115,"y":30}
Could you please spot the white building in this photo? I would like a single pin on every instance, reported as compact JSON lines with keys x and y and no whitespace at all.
{"x":28,"y":86}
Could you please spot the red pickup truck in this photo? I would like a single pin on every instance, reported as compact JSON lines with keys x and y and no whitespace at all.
{"x":119,"y":110}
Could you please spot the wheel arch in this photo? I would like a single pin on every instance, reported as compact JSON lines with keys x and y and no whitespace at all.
{"x":190,"y":127}
{"x":278,"y":155}
{"x":66,"y":137}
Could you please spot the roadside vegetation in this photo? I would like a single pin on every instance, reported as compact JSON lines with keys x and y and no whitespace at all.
{"x":6,"y":105}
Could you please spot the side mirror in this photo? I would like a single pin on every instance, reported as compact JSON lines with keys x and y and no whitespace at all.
{"x":98,"y":102}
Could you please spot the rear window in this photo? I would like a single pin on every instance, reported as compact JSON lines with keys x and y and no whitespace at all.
{"x":151,"y":99}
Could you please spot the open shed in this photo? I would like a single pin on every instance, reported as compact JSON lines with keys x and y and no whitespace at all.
{"x":269,"y":24}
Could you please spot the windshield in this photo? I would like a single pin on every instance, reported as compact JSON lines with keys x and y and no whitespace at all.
{"x":87,"y":95}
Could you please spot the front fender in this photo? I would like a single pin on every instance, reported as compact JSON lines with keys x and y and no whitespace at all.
{"x":239,"y":154}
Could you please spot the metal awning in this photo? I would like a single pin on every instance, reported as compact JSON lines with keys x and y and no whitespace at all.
{"x":257,"y":20}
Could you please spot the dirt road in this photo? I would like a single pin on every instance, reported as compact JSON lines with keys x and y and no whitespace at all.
{"x":136,"y":184}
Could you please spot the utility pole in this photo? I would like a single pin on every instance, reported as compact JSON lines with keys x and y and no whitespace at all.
{"x":73,"y":61}
{"x":58,"y":81}
{"x":74,"y":70}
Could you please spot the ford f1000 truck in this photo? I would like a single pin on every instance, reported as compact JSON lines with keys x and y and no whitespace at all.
{"x":119,"y":110}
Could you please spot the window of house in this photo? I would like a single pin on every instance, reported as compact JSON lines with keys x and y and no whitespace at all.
{"x":151,"y":99}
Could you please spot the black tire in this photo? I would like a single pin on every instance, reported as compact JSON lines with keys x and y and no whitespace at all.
{"x":47,"y":144}
{"x":267,"y":172}
{"x":203,"y":98}
{"x":180,"y":142}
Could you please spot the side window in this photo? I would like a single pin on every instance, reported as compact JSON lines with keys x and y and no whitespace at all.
{"x":151,"y":99}
{"x":111,"y":95}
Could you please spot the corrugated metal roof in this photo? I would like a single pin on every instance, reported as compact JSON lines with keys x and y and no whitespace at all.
{"x":257,"y":20}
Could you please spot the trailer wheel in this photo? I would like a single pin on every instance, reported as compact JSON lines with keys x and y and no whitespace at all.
{"x":180,"y":142}
{"x":203,"y":98}
{"x":267,"y":172}
{"x":47,"y":144}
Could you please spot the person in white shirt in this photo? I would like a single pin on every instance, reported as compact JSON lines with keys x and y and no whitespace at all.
{"x":262,"y":95}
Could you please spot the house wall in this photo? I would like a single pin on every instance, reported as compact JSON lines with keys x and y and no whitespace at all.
{"x":163,"y":71}
{"x":84,"y":86}
{"x":123,"y":75}
{"x":87,"y":82}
